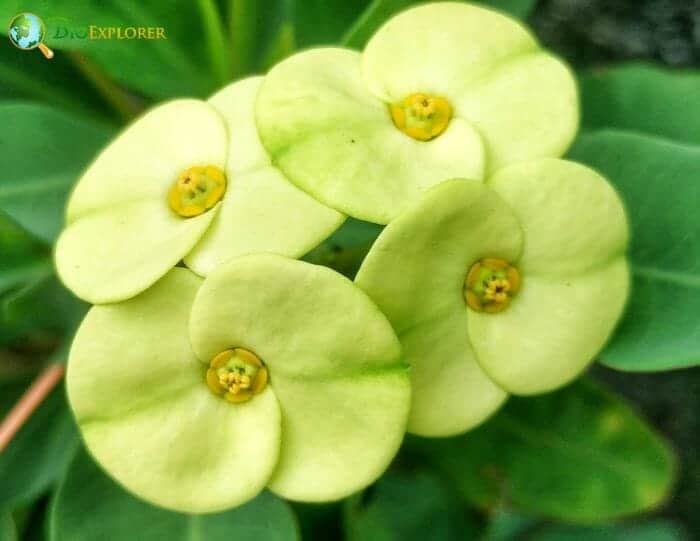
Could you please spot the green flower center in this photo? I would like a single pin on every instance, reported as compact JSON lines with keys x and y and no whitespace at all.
{"x":490,"y":284}
{"x":421,"y":116}
{"x":196,"y":190}
{"x":236,"y":374}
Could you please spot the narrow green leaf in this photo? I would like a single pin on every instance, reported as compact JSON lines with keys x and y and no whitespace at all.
{"x":577,"y":454}
{"x":379,"y":11}
{"x":112,"y":510}
{"x":643,"y":97}
{"x":43,"y":151}
{"x":657,"y":530}
{"x":412,"y":506}
{"x":324,"y":21}
{"x":40,"y":452}
{"x":658,"y":181}
{"x":159,"y":68}
{"x":7,"y":527}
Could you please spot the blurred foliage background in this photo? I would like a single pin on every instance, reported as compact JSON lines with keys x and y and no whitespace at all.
{"x":613,"y":457}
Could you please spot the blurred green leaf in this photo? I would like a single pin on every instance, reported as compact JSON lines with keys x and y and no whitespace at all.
{"x":43,"y":152}
{"x":379,"y":11}
{"x":643,"y":97}
{"x":30,"y":76}
{"x":40,"y":452}
{"x":182,"y":64}
{"x":658,"y":180}
{"x":659,"y":530}
{"x":325,"y":21}
{"x":577,"y":454}
{"x":404,"y":506}
{"x":23,"y":257}
{"x":506,"y":525}
{"x":115,"y":515}
{"x":7,"y":527}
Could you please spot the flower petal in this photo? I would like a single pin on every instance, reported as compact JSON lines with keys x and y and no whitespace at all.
{"x":441,"y":49}
{"x":525,"y":109}
{"x":262,"y":211}
{"x":572,"y":218}
{"x":415,"y":272}
{"x":147,"y":416}
{"x":552,"y":329}
{"x":118,"y":252}
{"x":302,"y":320}
{"x":144,"y":161}
{"x":337,"y":142}
{"x":338,"y":435}
{"x":451,"y":391}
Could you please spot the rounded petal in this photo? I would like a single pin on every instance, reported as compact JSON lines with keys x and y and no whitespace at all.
{"x":302,"y":320}
{"x":441,"y":49}
{"x":338,"y":435}
{"x":337,"y":142}
{"x":144,"y":161}
{"x":452,"y":393}
{"x":262,"y":210}
{"x":552,"y":329}
{"x":145,"y":412}
{"x":116,"y":253}
{"x":236,"y":105}
{"x":572,"y":218}
{"x":415,"y":272}
{"x":525,"y":109}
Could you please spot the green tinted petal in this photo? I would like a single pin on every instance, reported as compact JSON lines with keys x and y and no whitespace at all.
{"x":261,"y":211}
{"x":236,"y":104}
{"x":527,"y":108}
{"x":144,"y":161}
{"x":441,"y":48}
{"x":338,"y":435}
{"x":302,"y":320}
{"x":147,"y":416}
{"x":415,"y":273}
{"x":552,"y":330}
{"x":118,"y":252}
{"x":338,"y":143}
{"x":451,"y":391}
{"x":572,"y":217}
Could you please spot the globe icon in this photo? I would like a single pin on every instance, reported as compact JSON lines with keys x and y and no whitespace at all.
{"x":27,"y":31}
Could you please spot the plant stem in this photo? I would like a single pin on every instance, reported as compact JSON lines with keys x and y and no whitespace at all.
{"x":30,"y":401}
{"x":125,"y":106}
{"x":216,"y":40}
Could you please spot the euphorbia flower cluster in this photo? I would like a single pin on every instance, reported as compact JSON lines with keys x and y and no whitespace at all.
{"x":215,"y":363}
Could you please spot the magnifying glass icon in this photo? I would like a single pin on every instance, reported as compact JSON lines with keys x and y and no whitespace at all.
{"x":27,"y":31}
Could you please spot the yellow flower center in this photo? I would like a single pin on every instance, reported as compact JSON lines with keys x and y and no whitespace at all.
{"x":196,"y":190}
{"x":421,"y":116}
{"x":236,"y":374}
{"x":490,"y":285}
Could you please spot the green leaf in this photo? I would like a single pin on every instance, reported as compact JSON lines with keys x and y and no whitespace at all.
{"x":578,"y":454}
{"x":379,"y":11}
{"x":113,"y":510}
{"x":182,"y":64}
{"x":8,"y":531}
{"x":23,"y":256}
{"x":658,"y":181}
{"x":325,"y":21}
{"x":412,"y":506}
{"x":29,"y":76}
{"x":45,"y":150}
{"x":643,"y":97}
{"x":40,"y":452}
{"x":657,"y":530}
